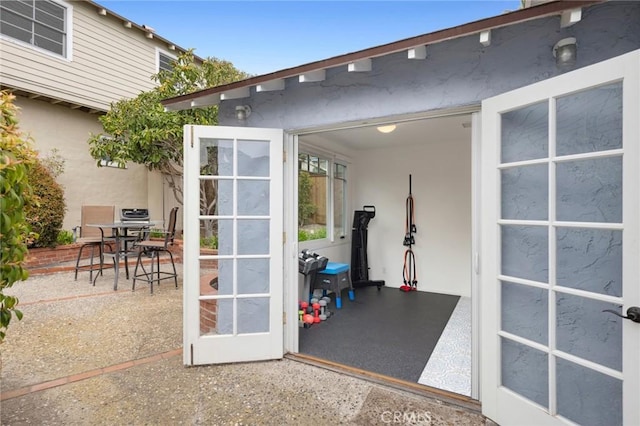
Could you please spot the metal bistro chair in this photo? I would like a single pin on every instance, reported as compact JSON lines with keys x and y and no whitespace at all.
{"x":153,"y":249}
{"x":91,"y":237}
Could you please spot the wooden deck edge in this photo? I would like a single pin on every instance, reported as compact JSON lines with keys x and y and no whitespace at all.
{"x":450,"y":398}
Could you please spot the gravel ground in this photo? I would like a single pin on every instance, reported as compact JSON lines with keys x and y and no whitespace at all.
{"x":70,"y":327}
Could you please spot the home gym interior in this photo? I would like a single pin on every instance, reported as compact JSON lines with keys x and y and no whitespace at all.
{"x":393,"y":211}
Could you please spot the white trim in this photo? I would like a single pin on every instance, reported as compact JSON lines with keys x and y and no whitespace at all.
{"x":476,"y":272}
{"x":164,"y":52}
{"x":290,"y":191}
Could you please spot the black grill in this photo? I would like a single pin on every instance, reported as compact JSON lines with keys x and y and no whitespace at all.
{"x":134,"y":215}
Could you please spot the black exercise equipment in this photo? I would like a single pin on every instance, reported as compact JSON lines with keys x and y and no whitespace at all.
{"x":359,"y":261}
{"x":309,"y":263}
{"x":409,"y":276}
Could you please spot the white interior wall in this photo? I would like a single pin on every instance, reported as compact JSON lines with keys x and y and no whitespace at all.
{"x":441,"y":187}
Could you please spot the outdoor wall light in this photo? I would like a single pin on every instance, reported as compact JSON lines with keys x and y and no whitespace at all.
{"x":386,"y":129}
{"x":565,"y":52}
{"x":243,"y":112}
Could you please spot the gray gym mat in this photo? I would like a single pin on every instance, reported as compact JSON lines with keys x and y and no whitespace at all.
{"x":388,"y":332}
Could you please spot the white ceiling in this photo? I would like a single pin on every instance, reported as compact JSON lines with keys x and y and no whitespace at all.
{"x":407,"y":133}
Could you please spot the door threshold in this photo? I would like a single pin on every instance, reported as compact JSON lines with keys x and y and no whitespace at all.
{"x":451,"y":398}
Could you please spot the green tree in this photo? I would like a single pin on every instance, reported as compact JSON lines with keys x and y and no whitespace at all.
{"x":139,"y":130}
{"x":16,"y":158}
{"x":306,"y":208}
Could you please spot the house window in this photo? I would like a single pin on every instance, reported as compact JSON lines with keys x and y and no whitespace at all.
{"x":339,"y":200}
{"x":40,"y":23}
{"x":321,"y":198}
{"x":165,"y":61}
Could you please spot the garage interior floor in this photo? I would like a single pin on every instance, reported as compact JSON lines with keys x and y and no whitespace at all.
{"x":420,"y":337}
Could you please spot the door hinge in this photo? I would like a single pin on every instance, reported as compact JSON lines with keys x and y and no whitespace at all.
{"x":284,"y":318}
{"x":476,"y":262}
{"x":284,"y":238}
{"x":284,"y":156}
{"x":191,"y":130}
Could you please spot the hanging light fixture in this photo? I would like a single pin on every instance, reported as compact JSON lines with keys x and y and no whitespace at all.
{"x":386,"y":128}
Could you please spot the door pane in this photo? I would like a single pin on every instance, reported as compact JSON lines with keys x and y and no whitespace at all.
{"x":216,"y":317}
{"x":587,"y":397}
{"x":524,"y":311}
{"x":525,"y":371}
{"x":253,"y":158}
{"x":225,"y":316}
{"x":583,"y":330}
{"x":590,"y":121}
{"x":253,"y":276}
{"x":590,"y":259}
{"x":525,"y":192}
{"x":216,"y":236}
{"x":253,"y":315}
{"x":590,"y":190}
{"x":216,"y":157}
{"x":253,"y":237}
{"x":525,"y":133}
{"x":221,"y":201}
{"x":225,"y":277}
{"x":253,"y":197}
{"x":525,"y":252}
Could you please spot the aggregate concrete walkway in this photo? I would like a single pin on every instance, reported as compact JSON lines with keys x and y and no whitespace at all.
{"x":85,"y":355}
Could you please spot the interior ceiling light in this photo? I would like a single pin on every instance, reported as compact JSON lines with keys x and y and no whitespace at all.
{"x":386,"y":129}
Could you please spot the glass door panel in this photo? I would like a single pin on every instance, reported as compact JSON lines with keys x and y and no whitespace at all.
{"x":238,"y":264}
{"x":587,"y":190}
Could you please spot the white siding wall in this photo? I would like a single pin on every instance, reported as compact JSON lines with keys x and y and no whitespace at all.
{"x":108,"y":62}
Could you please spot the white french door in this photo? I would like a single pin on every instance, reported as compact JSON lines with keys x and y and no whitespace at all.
{"x":560,"y":248}
{"x":233,"y":249}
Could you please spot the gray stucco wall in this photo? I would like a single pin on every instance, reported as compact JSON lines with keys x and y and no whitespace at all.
{"x":456,"y":73}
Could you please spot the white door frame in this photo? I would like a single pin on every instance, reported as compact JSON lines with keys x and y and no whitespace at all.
{"x":291,"y":242}
{"x":291,"y":247}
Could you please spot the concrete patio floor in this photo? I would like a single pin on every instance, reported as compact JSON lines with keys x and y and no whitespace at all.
{"x":85,"y":355}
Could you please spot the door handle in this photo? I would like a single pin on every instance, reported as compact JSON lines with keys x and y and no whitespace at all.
{"x":633,"y":313}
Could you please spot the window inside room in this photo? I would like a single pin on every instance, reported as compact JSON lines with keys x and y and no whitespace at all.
{"x":40,"y":23}
{"x":321,"y":198}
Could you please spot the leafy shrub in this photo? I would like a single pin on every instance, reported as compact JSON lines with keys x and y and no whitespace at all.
{"x":64,"y":237}
{"x":209,"y":242}
{"x":303,"y":235}
{"x":156,"y":233}
{"x":54,"y":162}
{"x":16,"y":158}
{"x":306,"y":235}
{"x":47,"y":215}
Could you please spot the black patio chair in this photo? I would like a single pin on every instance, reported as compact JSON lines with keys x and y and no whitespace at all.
{"x":153,"y":249}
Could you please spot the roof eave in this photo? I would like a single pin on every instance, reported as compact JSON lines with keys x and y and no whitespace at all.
{"x":511,"y":18}
{"x":146,"y":31}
